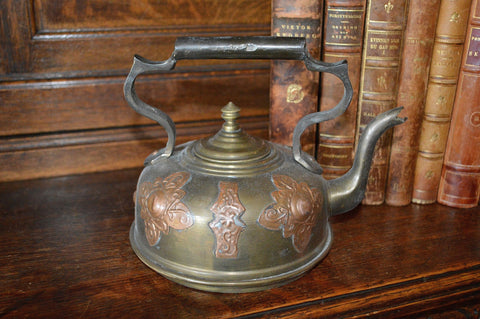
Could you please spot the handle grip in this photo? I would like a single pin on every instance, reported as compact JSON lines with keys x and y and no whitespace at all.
{"x":195,"y":48}
{"x":255,"y":47}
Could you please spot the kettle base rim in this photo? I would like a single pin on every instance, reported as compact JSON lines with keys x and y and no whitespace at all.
{"x":250,"y":281}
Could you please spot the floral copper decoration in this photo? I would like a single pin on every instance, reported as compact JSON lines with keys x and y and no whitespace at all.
{"x":295,"y":210}
{"x":227,"y":224}
{"x":161,"y":206}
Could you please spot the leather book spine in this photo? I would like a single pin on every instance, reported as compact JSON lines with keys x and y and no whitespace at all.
{"x":412,"y":87}
{"x":384,"y":31}
{"x":460,"y":180}
{"x":442,"y":85}
{"x":343,"y":39}
{"x":293,"y":88}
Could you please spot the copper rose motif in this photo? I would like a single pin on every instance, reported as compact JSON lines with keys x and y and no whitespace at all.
{"x":161,"y":206}
{"x":295,"y":210}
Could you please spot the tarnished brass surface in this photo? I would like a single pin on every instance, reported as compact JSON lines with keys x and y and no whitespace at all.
{"x":231,"y":281}
{"x":262,"y":257}
{"x":231,"y":152}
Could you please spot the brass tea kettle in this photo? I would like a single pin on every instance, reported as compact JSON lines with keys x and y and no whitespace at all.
{"x":234,"y":213}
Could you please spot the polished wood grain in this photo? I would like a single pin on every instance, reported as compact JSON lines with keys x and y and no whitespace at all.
{"x":64,"y":251}
{"x":74,"y":38}
{"x":63,"y":64}
{"x":72,"y":129}
{"x":61,"y":106}
{"x":100,"y":150}
{"x":82,"y":15}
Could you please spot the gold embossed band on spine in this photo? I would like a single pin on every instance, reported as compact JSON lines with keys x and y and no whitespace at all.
{"x":460,"y":181}
{"x":442,"y":85}
{"x":384,"y":30}
{"x":416,"y":57}
{"x":343,"y":39}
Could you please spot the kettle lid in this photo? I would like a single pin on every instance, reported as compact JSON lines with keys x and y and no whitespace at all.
{"x":231,"y":152}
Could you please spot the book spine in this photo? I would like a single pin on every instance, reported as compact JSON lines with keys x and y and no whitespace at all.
{"x":293,"y":88}
{"x":384,"y":31}
{"x":412,"y":87}
{"x":442,"y":85}
{"x":460,"y":180}
{"x":342,"y":39}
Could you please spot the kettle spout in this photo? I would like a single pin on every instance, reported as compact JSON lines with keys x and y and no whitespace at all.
{"x":347,"y":191}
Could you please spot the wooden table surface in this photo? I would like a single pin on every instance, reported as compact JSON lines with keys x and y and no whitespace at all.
{"x":65,"y":252}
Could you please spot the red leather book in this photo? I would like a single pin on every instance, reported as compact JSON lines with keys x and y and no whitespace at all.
{"x":460,"y":181}
{"x":416,"y":57}
{"x":442,"y":84}
{"x":384,"y":31}
{"x":293,"y":88}
{"x":342,"y":39}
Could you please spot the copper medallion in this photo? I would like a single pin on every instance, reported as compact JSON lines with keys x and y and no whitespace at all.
{"x":295,"y":210}
{"x":161,"y":206}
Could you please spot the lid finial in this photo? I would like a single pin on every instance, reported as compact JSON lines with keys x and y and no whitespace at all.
{"x":230,"y":113}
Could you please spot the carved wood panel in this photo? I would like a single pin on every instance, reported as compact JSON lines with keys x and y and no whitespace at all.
{"x":60,"y":38}
{"x":63,"y":63}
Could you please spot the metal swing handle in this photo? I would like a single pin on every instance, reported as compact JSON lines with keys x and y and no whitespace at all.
{"x":254,"y":47}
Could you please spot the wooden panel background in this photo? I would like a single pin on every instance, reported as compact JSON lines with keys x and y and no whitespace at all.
{"x":62,"y":68}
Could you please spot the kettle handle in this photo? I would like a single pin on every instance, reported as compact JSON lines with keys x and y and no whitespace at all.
{"x":253,"y":47}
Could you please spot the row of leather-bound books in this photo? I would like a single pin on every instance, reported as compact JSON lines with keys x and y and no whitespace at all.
{"x":422,"y":55}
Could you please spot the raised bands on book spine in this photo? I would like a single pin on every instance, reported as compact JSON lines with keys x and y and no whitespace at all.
{"x":384,"y":31}
{"x":416,"y":57}
{"x":460,"y":180}
{"x":342,"y":40}
{"x":442,"y":85}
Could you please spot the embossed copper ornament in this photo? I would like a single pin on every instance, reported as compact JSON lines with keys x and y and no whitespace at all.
{"x":247,"y":214}
{"x":161,"y":206}
{"x":227,"y":224}
{"x":294,"y":212}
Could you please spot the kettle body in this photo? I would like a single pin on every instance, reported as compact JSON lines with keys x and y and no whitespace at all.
{"x":231,"y":212}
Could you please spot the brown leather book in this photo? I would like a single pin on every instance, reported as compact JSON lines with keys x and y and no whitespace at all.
{"x":384,"y":31}
{"x":342,"y":39}
{"x":460,"y":180}
{"x":293,"y":88}
{"x":442,"y":84}
{"x":412,"y":87}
